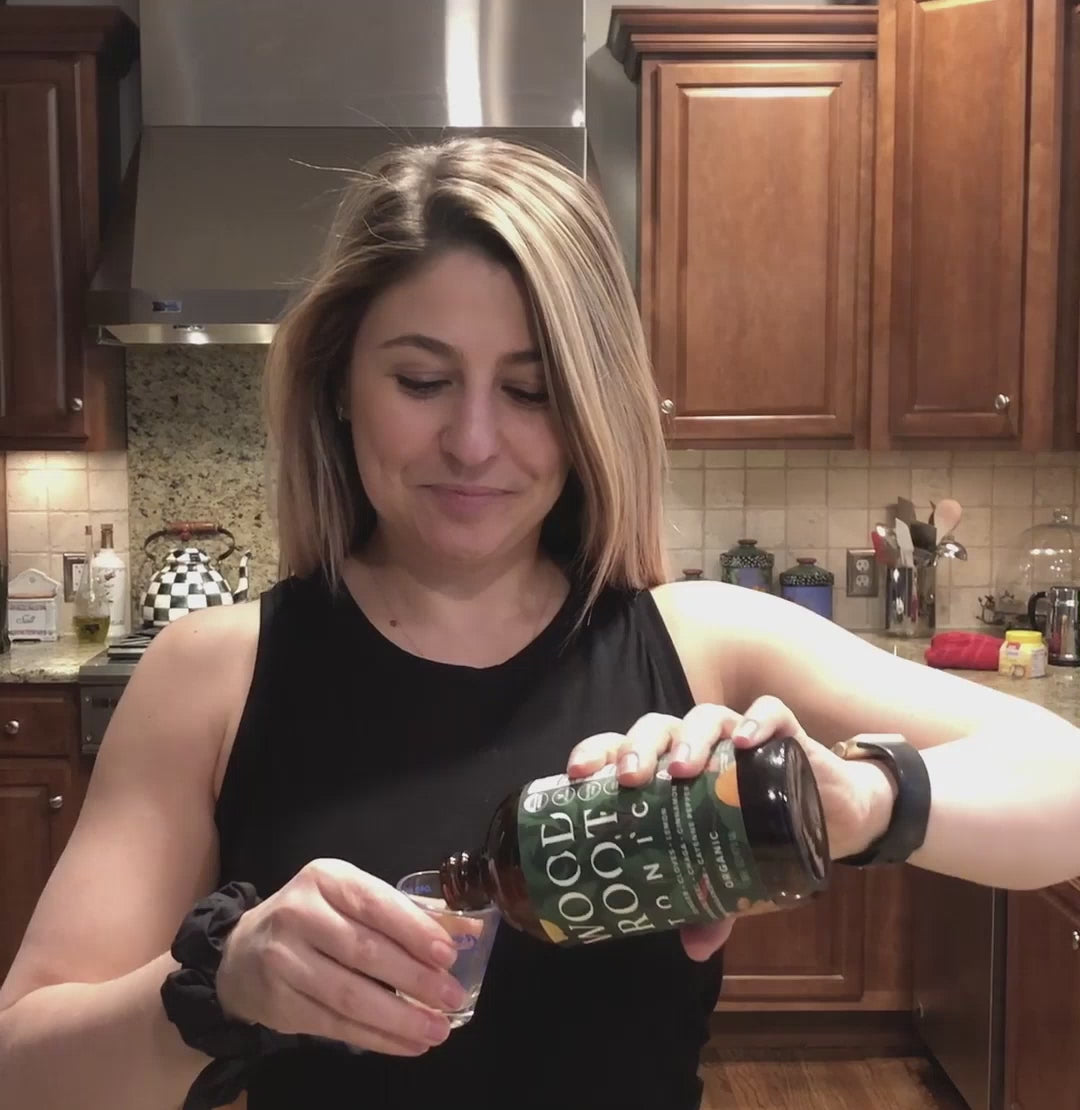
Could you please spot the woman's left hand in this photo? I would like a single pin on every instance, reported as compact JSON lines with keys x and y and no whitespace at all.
{"x":855,"y":795}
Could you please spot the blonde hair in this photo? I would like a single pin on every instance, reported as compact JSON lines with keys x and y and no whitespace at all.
{"x":548,"y":224}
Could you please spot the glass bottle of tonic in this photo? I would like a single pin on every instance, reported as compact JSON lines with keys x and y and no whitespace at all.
{"x":586,"y":860}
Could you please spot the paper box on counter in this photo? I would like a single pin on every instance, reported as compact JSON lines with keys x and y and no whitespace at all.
{"x":32,"y":607}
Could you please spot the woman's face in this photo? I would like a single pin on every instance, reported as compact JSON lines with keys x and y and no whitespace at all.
{"x":454,"y":436}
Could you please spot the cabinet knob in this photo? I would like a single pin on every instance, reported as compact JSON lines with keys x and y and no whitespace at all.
{"x":1002,"y":402}
{"x":667,"y":406}
{"x":76,"y":404}
{"x":12,"y":728}
{"x":1076,"y":941}
{"x":56,"y":801}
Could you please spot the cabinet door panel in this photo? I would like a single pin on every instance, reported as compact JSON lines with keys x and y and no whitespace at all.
{"x":958,"y":71}
{"x":755,"y":281}
{"x":32,"y":836}
{"x":41,"y":273}
{"x":813,"y":953}
{"x":1042,"y":1067}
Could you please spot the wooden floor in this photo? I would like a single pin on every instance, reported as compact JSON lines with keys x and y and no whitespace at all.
{"x":788,"y":1081}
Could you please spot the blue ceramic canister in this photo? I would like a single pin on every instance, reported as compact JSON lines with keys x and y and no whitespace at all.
{"x":746,"y":564}
{"x":808,"y":585}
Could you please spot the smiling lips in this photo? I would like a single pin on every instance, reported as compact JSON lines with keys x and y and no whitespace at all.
{"x":467,"y":501}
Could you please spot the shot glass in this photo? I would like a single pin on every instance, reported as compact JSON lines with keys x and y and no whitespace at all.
{"x":472,"y":933}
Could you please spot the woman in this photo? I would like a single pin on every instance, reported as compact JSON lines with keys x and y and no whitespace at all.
{"x":469,"y":503}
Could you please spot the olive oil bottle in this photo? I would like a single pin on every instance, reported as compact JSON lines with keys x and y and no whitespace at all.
{"x":91,"y":618}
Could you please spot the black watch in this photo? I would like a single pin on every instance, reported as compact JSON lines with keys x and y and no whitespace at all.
{"x":911,"y":810}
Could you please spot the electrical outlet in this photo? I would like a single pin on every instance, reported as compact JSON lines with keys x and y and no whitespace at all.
{"x":862,"y":572}
{"x":74,"y":561}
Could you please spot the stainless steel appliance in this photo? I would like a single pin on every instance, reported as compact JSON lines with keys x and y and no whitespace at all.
{"x":959,"y":982}
{"x":1060,"y":623}
{"x":101,"y":683}
{"x":253,"y":109}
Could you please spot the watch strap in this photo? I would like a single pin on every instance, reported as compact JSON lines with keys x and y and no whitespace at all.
{"x":911,"y":808}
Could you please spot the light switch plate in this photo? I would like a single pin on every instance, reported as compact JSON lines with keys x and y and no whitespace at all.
{"x":862,"y":572}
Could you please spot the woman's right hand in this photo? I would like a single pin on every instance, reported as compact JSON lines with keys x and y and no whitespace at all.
{"x":324,"y":954}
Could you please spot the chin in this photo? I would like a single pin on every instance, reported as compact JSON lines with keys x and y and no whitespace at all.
{"x":469,"y":544}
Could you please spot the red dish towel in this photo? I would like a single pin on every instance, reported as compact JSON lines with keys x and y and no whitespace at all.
{"x":965,"y":651}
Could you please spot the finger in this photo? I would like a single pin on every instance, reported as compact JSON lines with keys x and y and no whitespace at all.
{"x":371,"y":902}
{"x":593,"y":753}
{"x":361,"y":949}
{"x":767,"y":717}
{"x":408,"y":1032}
{"x":648,"y":737}
{"x":702,"y":727}
{"x":702,"y":940}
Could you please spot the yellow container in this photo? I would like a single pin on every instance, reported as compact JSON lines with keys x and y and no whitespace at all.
{"x":1023,"y":655}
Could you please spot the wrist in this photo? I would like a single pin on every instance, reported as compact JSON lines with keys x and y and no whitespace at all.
{"x":878,"y":791}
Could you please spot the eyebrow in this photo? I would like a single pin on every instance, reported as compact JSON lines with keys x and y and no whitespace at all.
{"x":444,"y":350}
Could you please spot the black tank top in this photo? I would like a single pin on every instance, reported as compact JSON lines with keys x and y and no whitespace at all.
{"x":351,"y":748}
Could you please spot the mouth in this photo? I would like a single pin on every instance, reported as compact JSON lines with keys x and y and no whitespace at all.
{"x":469,"y":491}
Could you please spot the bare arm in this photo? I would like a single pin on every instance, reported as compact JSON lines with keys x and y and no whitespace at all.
{"x":1005,"y":773}
{"x":81,"y":1022}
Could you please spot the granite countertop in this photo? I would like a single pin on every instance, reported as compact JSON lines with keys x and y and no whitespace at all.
{"x":1059,"y":691}
{"x":57,"y":662}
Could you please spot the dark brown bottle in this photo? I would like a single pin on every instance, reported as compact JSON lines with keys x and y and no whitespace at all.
{"x":576,"y":862}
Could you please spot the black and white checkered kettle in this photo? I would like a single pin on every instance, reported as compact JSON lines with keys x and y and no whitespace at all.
{"x":188,"y":580}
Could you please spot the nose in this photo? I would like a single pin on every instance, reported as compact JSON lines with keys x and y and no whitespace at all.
{"x":471,"y":435}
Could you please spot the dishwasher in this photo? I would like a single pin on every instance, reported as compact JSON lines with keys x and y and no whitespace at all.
{"x":958,"y":980}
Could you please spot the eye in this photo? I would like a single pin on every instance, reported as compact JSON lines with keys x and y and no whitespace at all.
{"x":527,"y":396}
{"x":420,"y":387}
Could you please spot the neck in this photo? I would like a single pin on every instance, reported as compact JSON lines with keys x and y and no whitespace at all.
{"x":451,"y":612}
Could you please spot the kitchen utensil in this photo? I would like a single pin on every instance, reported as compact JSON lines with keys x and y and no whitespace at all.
{"x":905,"y":511}
{"x":1061,"y":625}
{"x":909,"y":601}
{"x":887,"y":536}
{"x":951,"y":549}
{"x":907,"y":547}
{"x":922,"y":558}
{"x":883,"y":553}
{"x":188,"y":580}
{"x":924,"y":535}
{"x":947,"y":515}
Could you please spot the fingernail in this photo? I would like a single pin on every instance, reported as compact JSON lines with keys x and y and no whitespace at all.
{"x":453,"y":995}
{"x":681,"y":752}
{"x":628,"y":763}
{"x":438,"y":1029}
{"x":747,"y":730}
{"x":443,"y":954}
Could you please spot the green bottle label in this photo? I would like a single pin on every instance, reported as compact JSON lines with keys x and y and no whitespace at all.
{"x":601,"y":861}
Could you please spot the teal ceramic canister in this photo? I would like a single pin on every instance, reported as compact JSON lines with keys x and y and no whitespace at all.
{"x":746,"y":564}
{"x":808,"y":585}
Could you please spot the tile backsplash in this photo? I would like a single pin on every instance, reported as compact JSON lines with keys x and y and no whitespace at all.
{"x":52,"y":497}
{"x":196,"y":450}
{"x":820,"y":503}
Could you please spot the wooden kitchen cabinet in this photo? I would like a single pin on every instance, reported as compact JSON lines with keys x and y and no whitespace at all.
{"x":754,"y":270}
{"x":43,"y":781}
{"x":34,"y":828}
{"x":859,"y":225}
{"x":1042,"y":1008}
{"x":59,"y":163}
{"x":850,"y":950}
{"x":967,"y":211}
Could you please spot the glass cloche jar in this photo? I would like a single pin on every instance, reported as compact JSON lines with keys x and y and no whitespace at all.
{"x":1042,"y":556}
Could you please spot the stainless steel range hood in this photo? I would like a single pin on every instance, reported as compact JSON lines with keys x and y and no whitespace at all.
{"x":252,"y":109}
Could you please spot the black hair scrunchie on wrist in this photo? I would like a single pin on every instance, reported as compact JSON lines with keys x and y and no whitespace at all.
{"x":189,"y":996}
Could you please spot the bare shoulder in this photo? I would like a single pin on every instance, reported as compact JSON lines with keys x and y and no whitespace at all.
{"x":145,"y":844}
